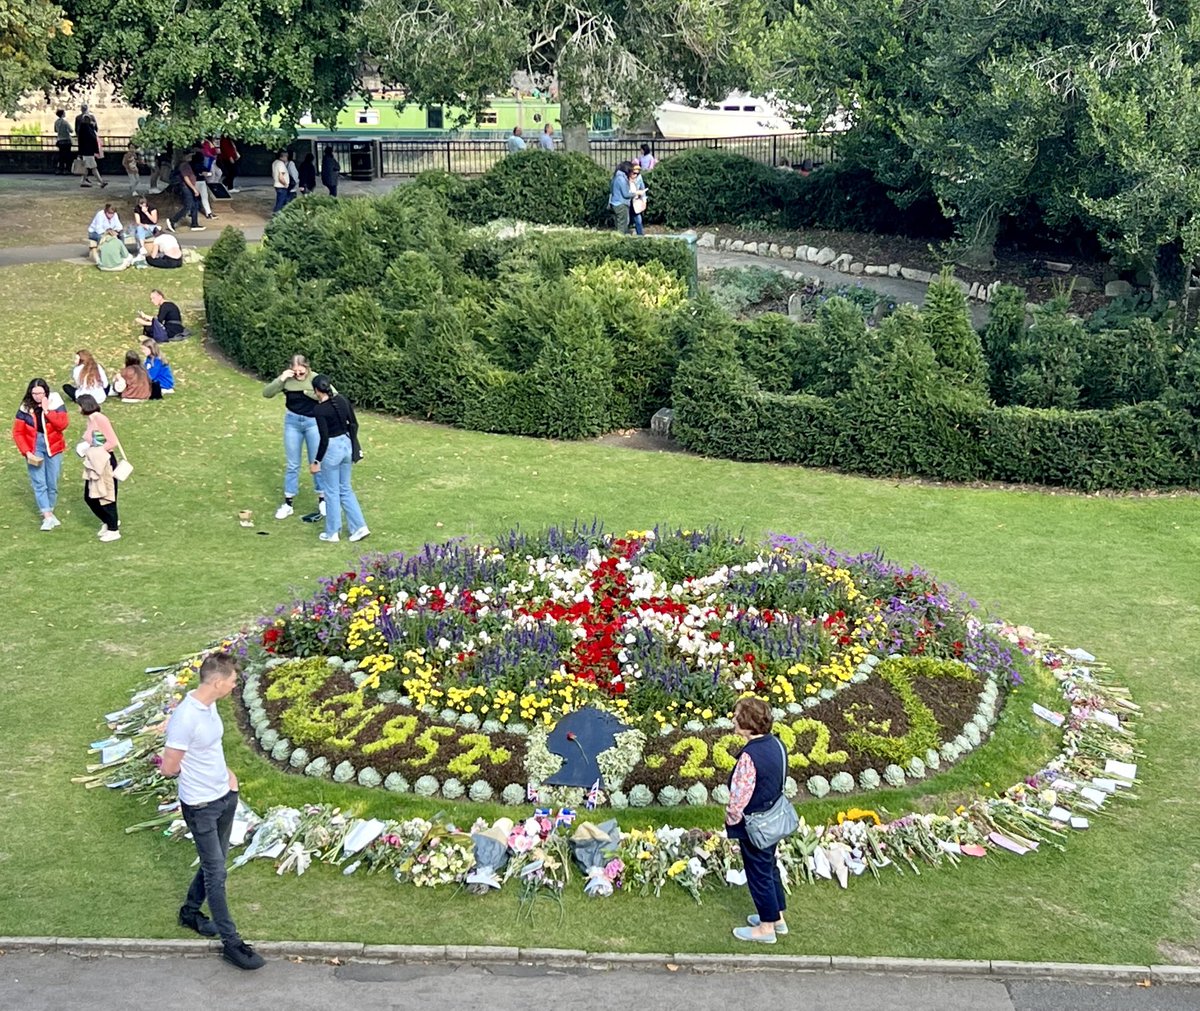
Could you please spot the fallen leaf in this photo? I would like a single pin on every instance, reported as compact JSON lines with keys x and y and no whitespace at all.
{"x":671,"y":967}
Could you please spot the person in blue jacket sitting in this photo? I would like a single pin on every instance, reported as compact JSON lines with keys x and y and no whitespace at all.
{"x":156,"y":366}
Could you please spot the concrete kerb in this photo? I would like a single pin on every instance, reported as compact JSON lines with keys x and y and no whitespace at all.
{"x":345,"y":951}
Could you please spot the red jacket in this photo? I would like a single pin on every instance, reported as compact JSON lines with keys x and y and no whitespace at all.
{"x":55,"y":420}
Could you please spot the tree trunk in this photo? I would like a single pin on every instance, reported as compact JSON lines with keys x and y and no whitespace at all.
{"x":574,"y":131}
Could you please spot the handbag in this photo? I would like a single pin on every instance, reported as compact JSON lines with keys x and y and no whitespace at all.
{"x":123,"y":469}
{"x":766,"y":828}
{"x":639,"y":205}
{"x":77,"y":168}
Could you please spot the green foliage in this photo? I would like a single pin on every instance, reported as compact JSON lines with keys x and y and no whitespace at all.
{"x":29,"y":56}
{"x":701,"y":186}
{"x":780,"y":354}
{"x":1047,"y":366}
{"x":1005,"y":331}
{"x":955,"y":342}
{"x":738,"y":288}
{"x":537,"y":186}
{"x":211,"y":65}
{"x":230,"y":247}
{"x":1127,"y":366}
{"x":847,"y":195}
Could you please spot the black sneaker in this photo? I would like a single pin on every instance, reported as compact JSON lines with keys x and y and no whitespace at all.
{"x":197,"y":921}
{"x":242,"y":955}
{"x":311,"y":518}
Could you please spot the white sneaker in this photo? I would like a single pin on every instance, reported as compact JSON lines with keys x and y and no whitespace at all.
{"x":328,"y":538}
{"x":360,"y":533}
{"x":168,"y":226}
{"x":111,"y":535}
{"x":321,"y":506}
{"x":235,"y":189}
{"x":103,"y":530}
{"x":284,"y":511}
{"x":49,"y":523}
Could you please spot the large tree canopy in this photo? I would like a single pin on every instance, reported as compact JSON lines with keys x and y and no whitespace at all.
{"x":1006,"y":100}
{"x":600,"y":53}
{"x":206,"y":65}
{"x":27,"y":31}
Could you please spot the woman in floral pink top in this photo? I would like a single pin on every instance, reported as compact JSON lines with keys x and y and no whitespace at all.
{"x":755,"y":785}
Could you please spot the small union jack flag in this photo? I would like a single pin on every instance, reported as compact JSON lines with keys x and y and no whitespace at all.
{"x":531,"y":792}
{"x":565,"y":817}
{"x":593,"y":796}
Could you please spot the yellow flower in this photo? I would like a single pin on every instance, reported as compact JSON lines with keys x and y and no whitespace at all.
{"x":678,"y":867}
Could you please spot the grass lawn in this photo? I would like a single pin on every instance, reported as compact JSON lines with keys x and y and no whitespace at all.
{"x":1118,"y":576}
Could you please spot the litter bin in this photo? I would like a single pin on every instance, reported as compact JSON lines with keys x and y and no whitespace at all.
{"x":362,"y":160}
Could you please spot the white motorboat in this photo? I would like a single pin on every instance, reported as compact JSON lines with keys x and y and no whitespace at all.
{"x":738,"y":115}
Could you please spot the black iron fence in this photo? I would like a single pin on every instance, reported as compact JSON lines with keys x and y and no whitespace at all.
{"x":370,"y":158}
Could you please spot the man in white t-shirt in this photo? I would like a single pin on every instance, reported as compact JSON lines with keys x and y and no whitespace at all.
{"x":208,"y":796}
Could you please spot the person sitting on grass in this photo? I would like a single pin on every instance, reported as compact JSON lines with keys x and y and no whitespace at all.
{"x":106,"y":220}
{"x":162,"y":251}
{"x":157,"y":367}
{"x":88,"y":377}
{"x":111,"y":254}
{"x":133,"y":382}
{"x":167,"y":325}
{"x":145,"y":221}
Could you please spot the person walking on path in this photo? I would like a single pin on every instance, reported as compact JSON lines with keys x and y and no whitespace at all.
{"x":38,"y":434}
{"x":91,"y":149}
{"x":546,"y":140}
{"x":516,"y":142}
{"x":228,"y":162}
{"x":337,"y":453}
{"x":208,"y":800}
{"x":331,"y":171}
{"x":62,"y":133}
{"x":754,"y":786}
{"x":646,"y":159}
{"x":99,"y":463}
{"x":300,"y":432}
{"x":132,"y":172}
{"x":190,"y":191}
{"x":620,"y":197}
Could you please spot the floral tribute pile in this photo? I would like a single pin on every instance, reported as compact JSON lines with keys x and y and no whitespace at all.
{"x":442,"y":672}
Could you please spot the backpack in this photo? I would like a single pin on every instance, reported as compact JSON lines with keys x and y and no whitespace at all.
{"x":158,"y":331}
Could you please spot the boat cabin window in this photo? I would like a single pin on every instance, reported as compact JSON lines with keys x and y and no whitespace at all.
{"x":488,"y":118}
{"x":434,"y":118}
{"x":749,"y":108}
{"x":368,"y":117}
{"x":729,"y":108}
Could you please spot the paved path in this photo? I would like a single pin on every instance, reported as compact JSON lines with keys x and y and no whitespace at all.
{"x":51,"y":982}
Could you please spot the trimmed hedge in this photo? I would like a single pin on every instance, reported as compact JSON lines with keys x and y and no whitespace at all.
{"x":560,"y":334}
{"x":903,"y":411}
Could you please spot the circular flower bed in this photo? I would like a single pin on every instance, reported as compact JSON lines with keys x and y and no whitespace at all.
{"x":443,"y":672}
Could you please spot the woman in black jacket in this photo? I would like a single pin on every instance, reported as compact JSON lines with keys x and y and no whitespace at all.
{"x":337,"y":451}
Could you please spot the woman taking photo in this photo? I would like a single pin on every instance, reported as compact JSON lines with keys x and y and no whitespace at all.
{"x":87,"y":377}
{"x":38,"y":432}
{"x":299,"y":430}
{"x":337,"y":452}
{"x":755,"y":785}
{"x":99,"y":463}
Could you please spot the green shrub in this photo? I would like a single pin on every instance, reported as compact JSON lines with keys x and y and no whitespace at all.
{"x":954,"y":341}
{"x":845,"y":343}
{"x":548,"y":189}
{"x":1127,"y":366}
{"x":736,"y":289}
{"x":573,"y":374}
{"x":230,"y":247}
{"x":1005,"y":331}
{"x":846,"y":196}
{"x":1047,"y":365}
{"x":702,"y":187}
{"x":780,"y":354}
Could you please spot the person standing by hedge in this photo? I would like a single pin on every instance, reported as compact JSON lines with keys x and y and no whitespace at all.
{"x":280,"y":180}
{"x":637,"y":201}
{"x":337,"y":453}
{"x":38,"y":434}
{"x":546,"y":140}
{"x":516,"y":142}
{"x":299,"y":431}
{"x":620,"y":197}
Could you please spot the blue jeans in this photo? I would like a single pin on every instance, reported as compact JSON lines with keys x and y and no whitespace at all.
{"x":339,"y":496}
{"x":191,"y":207}
{"x":97,"y":236}
{"x":637,"y":224}
{"x":210,"y":825}
{"x":298,"y":432}
{"x":44,"y":477}
{"x":142,"y":233}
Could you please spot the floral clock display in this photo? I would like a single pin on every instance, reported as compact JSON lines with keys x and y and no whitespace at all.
{"x":443,"y":672}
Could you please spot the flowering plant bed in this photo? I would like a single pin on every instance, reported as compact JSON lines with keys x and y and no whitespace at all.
{"x":443,"y":672}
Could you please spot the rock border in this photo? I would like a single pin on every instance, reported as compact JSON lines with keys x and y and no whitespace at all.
{"x":847,"y":263}
{"x":460,"y":954}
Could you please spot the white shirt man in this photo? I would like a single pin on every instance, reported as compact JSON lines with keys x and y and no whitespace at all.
{"x":546,"y":140}
{"x":105,"y":220}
